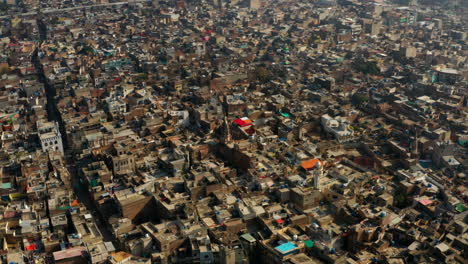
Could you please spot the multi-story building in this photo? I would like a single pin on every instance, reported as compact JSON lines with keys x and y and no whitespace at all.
{"x":50,"y":137}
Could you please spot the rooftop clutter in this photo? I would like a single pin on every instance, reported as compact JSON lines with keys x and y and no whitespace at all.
{"x":233,"y":131}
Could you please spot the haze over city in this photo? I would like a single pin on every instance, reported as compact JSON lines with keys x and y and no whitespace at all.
{"x":233,"y":131}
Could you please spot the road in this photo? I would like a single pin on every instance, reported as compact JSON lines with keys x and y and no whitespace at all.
{"x":84,"y":196}
{"x":50,"y":11}
{"x":53,"y":114}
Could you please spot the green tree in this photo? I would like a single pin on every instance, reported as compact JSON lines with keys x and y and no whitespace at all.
{"x":4,"y":156}
{"x":142,"y":77}
{"x":401,"y":200}
{"x":359,"y":98}
{"x":262,"y":74}
{"x":54,"y":20}
{"x":86,"y":50}
{"x":366,"y":67}
{"x":4,"y":70}
{"x":4,"y":7}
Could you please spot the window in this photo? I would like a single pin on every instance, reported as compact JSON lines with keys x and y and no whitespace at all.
{"x":45,"y":144}
{"x":55,"y":142}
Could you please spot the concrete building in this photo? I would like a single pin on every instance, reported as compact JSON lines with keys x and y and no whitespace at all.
{"x":50,"y":137}
{"x":338,"y":127}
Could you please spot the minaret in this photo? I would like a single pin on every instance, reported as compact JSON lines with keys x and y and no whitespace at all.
{"x":318,"y":175}
{"x":414,"y":150}
{"x":188,"y":154}
{"x":227,"y":132}
{"x":416,"y":142}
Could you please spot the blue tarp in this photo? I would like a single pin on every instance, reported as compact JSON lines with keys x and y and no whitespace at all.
{"x":286,"y":248}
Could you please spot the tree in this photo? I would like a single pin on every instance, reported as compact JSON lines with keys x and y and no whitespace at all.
{"x":54,"y":20}
{"x":262,"y":74}
{"x":359,"y":98}
{"x":142,"y":77}
{"x":349,"y":55}
{"x":4,"y":7}
{"x":4,"y":156}
{"x":4,"y":70}
{"x":366,"y":67}
{"x":86,"y":50}
{"x":401,"y":200}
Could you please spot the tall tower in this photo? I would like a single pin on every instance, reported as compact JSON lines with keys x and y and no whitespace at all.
{"x":318,"y":175}
{"x":227,"y":131}
{"x":414,"y":150}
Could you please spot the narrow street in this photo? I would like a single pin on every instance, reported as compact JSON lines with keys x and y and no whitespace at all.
{"x":53,"y":114}
{"x":84,"y":197}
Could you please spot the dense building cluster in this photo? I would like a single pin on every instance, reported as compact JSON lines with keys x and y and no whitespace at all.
{"x":241,"y":131}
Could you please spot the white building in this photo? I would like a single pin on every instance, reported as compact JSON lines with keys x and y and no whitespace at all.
{"x":339,"y":127}
{"x":116,"y":105}
{"x":50,"y":137}
{"x":183,"y":117}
